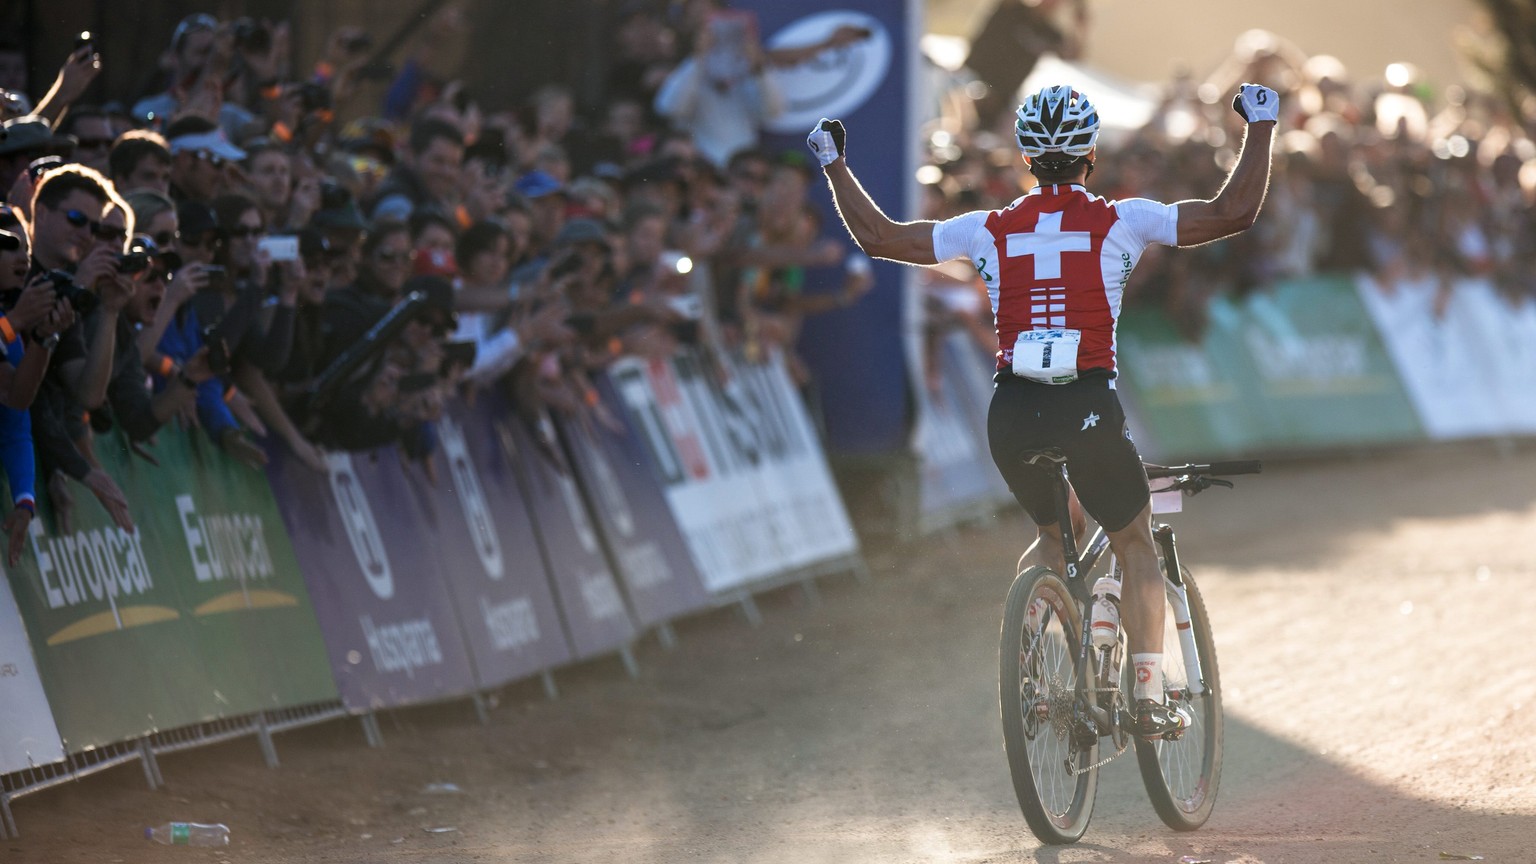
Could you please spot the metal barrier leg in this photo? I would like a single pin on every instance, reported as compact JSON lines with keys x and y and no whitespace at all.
{"x":666,"y":636}
{"x":749,"y":609}
{"x":482,"y":710}
{"x":151,"y":764}
{"x":550,"y":690}
{"x":631,"y":668}
{"x":264,"y":737}
{"x":812,"y":594}
{"x":7,"y":821}
{"x":371,"y":730}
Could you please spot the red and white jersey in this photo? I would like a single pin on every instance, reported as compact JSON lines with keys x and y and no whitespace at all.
{"x":1058,"y":258}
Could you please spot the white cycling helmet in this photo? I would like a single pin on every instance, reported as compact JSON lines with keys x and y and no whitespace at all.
{"x":1057,"y":119}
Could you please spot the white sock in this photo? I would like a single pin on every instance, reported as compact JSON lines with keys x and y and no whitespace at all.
{"x":1149,"y":676}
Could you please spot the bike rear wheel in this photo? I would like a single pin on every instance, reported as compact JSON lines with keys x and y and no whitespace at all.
{"x":1182,"y":776}
{"x":1037,"y":691}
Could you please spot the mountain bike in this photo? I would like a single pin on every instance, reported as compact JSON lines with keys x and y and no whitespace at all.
{"x":1064,"y":699}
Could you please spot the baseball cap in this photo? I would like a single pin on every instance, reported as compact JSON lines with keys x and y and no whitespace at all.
{"x":9,"y":242}
{"x":581,"y":231}
{"x":194,"y":220}
{"x":214,"y":142}
{"x":31,"y":132}
{"x":192,"y":24}
{"x":338,"y":209}
{"x":439,"y":295}
{"x":537,"y":184}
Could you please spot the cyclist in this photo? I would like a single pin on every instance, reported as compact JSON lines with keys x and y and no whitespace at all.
{"x":1055,"y":263}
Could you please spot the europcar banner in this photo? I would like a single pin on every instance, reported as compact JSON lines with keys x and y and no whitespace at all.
{"x":740,"y":464}
{"x":859,"y":355}
{"x":201,"y":613}
{"x":631,"y":513}
{"x":1298,"y":366}
{"x":375,"y":575}
{"x":28,"y":735}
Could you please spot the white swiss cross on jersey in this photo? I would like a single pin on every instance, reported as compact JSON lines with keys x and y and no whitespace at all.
{"x":1058,"y":258}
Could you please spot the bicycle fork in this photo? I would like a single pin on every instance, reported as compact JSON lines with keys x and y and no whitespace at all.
{"x":1178,"y":598}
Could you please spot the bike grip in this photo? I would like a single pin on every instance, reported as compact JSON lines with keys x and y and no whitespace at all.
{"x":1242,"y":466}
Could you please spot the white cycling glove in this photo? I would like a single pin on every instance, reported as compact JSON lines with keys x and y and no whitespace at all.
{"x":827,"y":141}
{"x":1255,"y":102}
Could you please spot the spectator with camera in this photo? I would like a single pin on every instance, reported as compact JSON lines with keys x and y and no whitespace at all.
{"x":70,"y":207}
{"x":186,"y":64}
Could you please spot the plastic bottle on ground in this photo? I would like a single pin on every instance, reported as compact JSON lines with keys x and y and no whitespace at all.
{"x":189,"y":834}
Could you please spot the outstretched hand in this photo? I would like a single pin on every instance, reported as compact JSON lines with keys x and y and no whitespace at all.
{"x":1256,"y":103}
{"x":829,"y":141}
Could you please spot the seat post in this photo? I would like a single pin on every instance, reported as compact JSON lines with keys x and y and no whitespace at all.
{"x":1064,"y":523}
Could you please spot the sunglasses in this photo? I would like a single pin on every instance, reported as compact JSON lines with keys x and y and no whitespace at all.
{"x":213,"y":159}
{"x":166,"y":238}
{"x":80,"y":220}
{"x":109,"y":232}
{"x":95,"y":144}
{"x":394,"y":257}
{"x":242,"y":231}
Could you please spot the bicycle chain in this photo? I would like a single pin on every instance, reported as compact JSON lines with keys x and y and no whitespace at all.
{"x":1073,"y":772}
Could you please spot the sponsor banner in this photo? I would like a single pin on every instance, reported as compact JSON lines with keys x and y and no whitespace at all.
{"x":1466,"y":360}
{"x":858,"y":354}
{"x":201,"y":613}
{"x":28,"y":735}
{"x":643,"y":539}
{"x":502,"y":591}
{"x":951,"y":439}
{"x":597,"y":619}
{"x":1298,"y":366}
{"x":740,"y":464}
{"x":375,"y":575}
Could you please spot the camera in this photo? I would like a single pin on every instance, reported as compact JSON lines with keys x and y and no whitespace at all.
{"x":314,"y":97}
{"x":80,"y":299}
{"x":140,"y":255}
{"x":252,"y":36}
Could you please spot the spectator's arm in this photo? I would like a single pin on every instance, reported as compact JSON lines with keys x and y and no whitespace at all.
{"x":75,"y":75}
{"x":17,"y":456}
{"x":678,"y":97}
{"x":264,"y":399}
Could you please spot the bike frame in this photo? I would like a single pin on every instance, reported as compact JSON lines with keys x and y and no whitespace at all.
{"x":1078,"y":565}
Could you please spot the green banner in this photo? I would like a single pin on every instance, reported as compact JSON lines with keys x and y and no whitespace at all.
{"x":1298,"y":366}
{"x":201,"y":613}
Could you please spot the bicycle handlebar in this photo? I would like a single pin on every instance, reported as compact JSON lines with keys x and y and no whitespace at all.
{"x":1244,"y":466}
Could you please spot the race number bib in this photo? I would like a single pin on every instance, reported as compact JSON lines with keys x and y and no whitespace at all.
{"x":1047,"y":356}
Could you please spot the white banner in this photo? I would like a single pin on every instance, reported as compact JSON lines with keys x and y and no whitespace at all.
{"x":1467,"y":359}
{"x":741,"y":466}
{"x":28,"y":735}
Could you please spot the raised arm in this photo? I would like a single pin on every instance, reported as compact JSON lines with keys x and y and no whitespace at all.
{"x":876,"y":233}
{"x":1236,"y":206}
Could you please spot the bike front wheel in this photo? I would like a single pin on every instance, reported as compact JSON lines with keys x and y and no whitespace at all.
{"x":1182,"y":776}
{"x":1053,"y":773}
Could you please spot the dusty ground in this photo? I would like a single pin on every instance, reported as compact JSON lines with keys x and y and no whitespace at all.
{"x":1372,"y":617}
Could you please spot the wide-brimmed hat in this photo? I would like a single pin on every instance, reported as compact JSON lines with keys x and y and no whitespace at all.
{"x":32,"y":133}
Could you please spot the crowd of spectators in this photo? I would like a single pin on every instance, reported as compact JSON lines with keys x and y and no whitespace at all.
{"x":1375,"y":176}
{"x":262,"y":252}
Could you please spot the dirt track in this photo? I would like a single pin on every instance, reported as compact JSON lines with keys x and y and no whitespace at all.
{"x":1371,"y":615}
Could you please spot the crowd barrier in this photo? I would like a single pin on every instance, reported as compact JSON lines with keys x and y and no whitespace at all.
{"x":249,"y":603}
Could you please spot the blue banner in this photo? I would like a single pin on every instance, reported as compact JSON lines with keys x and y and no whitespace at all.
{"x":857,"y":355}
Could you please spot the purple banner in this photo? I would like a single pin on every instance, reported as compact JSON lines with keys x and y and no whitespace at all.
{"x":372,"y":567}
{"x":596,"y":617}
{"x":624,"y":490}
{"x":490,"y":553}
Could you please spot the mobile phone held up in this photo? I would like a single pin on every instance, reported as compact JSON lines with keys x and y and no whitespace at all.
{"x":279,"y":247}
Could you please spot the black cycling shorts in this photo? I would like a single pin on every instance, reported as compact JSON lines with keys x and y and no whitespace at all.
{"x":1084,"y":421}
